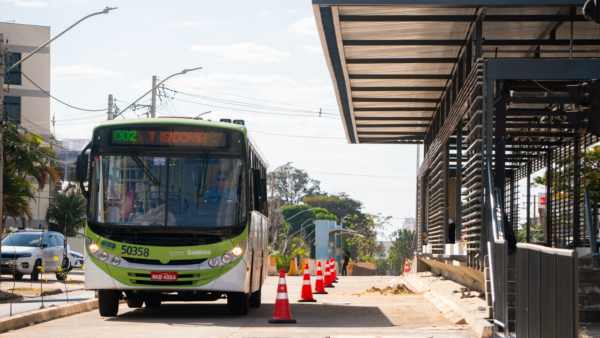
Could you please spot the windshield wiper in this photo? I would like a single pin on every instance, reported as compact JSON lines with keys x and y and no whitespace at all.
{"x":145,"y":169}
{"x":202,"y":179}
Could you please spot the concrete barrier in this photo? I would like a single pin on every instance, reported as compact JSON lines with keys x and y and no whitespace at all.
{"x":38,"y":316}
{"x":272,"y":270}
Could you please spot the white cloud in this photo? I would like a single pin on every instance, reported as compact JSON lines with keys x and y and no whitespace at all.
{"x":306,"y":26}
{"x":313,"y":49}
{"x":261,"y":12}
{"x":290,"y":11}
{"x":78,"y":72}
{"x":250,"y":52}
{"x":121,"y":54}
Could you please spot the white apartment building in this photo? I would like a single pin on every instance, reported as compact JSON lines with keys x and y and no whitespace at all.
{"x":25,"y":103}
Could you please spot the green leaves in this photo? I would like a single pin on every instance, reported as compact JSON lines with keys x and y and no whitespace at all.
{"x":70,"y":206}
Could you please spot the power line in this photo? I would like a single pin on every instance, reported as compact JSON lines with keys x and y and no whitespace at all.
{"x":250,"y":111}
{"x":39,"y":152}
{"x":250,"y":105}
{"x":251,"y":98}
{"x":66,"y":104}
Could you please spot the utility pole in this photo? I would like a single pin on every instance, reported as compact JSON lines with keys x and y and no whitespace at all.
{"x":110,"y":107}
{"x":153,"y":109}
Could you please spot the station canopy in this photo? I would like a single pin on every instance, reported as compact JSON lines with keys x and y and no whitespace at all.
{"x":391,"y":61}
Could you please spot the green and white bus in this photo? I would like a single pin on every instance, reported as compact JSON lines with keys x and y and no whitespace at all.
{"x":177,"y":211}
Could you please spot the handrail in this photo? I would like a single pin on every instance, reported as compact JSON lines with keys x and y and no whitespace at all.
{"x":557,"y":251}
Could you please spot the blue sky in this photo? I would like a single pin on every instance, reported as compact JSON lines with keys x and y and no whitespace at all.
{"x":257,"y":57}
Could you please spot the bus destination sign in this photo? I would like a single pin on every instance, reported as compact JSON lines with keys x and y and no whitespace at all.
{"x":169,"y":137}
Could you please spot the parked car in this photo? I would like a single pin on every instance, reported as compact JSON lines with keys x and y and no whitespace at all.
{"x":24,"y":251}
{"x":76,"y":259}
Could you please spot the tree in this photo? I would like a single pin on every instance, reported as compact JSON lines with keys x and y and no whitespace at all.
{"x":69,"y":207}
{"x":340,"y":205}
{"x":381,"y":266}
{"x":401,"y":245}
{"x":16,"y":199}
{"x":291,"y":184}
{"x":363,"y":248}
{"x":26,"y":160}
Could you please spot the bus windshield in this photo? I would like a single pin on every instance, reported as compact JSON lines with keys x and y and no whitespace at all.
{"x":132,"y":190}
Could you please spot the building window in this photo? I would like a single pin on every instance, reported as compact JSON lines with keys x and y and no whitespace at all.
{"x":14,"y":76}
{"x":12,"y":106}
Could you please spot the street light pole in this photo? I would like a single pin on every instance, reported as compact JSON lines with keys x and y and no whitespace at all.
{"x":153,"y":109}
{"x":156,"y":86}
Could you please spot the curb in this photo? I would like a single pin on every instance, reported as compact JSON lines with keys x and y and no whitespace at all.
{"x":480,"y":327}
{"x":43,"y":315}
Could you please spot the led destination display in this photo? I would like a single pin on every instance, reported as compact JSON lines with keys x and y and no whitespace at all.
{"x":172,"y":136}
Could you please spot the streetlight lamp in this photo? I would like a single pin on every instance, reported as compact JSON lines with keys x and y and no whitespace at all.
{"x":198,"y":117}
{"x":104,"y":11}
{"x":153,"y":88}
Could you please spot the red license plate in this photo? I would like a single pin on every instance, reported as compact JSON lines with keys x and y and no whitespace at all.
{"x":163,"y":276}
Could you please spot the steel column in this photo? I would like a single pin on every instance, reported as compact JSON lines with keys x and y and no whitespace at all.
{"x":576,"y":193}
{"x":458,"y":186}
{"x":528,"y":201}
{"x":548,"y":235}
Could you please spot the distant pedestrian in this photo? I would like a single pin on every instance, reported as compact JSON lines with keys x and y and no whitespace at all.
{"x":345,"y":261}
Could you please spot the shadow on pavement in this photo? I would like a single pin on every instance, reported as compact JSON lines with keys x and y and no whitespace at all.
{"x":203,"y":314}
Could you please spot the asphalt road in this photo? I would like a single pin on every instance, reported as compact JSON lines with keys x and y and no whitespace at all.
{"x":346,"y":311}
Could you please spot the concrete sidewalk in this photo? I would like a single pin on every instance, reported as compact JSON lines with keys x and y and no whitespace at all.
{"x":445,"y":295}
{"x":32,"y":304}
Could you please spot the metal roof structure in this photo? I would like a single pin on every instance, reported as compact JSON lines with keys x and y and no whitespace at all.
{"x":396,"y":64}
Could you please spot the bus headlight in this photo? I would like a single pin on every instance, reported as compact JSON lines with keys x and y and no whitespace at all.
{"x":103,"y":255}
{"x":226,"y":258}
{"x":237,"y":251}
{"x":213,"y":262}
{"x":93,"y":248}
{"x":115,"y":260}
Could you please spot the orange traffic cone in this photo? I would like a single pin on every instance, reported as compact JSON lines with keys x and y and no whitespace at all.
{"x":306,"y":295}
{"x":319,"y":287}
{"x":333,"y":271}
{"x":282,"y":313}
{"x":406,"y":270}
{"x":327,"y":279}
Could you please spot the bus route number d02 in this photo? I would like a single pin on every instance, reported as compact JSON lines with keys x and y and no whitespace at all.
{"x":135,"y":251}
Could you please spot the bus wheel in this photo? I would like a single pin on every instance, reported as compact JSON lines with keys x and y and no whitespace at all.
{"x":108,"y":302}
{"x":255,"y":299}
{"x":150,"y":303}
{"x":239,"y":303}
{"x":132,"y":303}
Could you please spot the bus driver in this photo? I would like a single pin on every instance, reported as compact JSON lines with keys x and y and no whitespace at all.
{"x":221,"y":192}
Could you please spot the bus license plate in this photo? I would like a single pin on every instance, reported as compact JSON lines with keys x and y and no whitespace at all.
{"x":163,"y":276}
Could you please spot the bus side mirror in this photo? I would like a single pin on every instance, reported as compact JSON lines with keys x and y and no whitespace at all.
{"x":81,"y":168}
{"x":263,"y":193}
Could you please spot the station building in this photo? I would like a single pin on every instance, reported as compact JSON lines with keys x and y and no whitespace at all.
{"x":495,"y":91}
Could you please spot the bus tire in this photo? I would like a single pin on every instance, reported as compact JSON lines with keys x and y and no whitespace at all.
{"x":239,"y":303}
{"x":152,"y":303}
{"x":132,"y":303}
{"x":108,"y":302}
{"x":256,"y":299}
